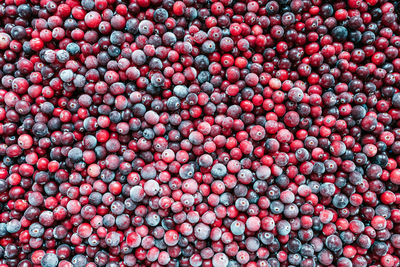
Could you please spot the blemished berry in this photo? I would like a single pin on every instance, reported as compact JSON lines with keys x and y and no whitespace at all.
{"x":196,"y":133}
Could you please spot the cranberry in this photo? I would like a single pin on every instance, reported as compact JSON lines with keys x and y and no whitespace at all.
{"x":163,"y":133}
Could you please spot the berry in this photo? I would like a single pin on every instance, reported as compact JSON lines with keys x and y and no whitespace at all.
{"x":189,"y":133}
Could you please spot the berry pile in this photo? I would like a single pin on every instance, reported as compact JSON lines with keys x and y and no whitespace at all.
{"x":199,"y":133}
